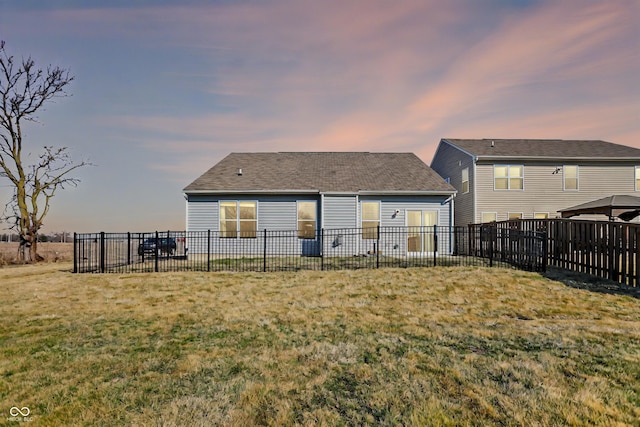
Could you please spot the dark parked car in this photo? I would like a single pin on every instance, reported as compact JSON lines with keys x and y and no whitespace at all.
{"x":166,"y":245}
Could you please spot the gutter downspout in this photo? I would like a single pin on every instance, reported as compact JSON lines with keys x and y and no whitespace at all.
{"x":474,"y":160}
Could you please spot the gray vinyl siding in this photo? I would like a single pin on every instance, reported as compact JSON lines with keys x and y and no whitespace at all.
{"x":202,"y":213}
{"x":448,"y":162}
{"x":340,"y":211}
{"x":391,"y":244}
{"x":279,"y":213}
{"x":274,"y":213}
{"x":544,"y":191}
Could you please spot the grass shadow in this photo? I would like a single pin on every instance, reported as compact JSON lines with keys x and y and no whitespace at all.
{"x":590,"y":282}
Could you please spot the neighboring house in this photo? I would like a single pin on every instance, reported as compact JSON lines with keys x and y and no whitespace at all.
{"x":499,"y":179}
{"x":246,"y":193}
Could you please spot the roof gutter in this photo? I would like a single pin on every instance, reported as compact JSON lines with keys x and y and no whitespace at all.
{"x":196,"y":192}
{"x":557,"y":159}
{"x":408,"y":193}
{"x":345,"y":193}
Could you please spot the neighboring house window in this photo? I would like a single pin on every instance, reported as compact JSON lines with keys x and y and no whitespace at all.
{"x":370,"y":219}
{"x":637,"y":178}
{"x":238,"y":218}
{"x":307,"y":220}
{"x":570,"y":174}
{"x":508,"y":177}
{"x":515,"y":215}
{"x":489,"y":216}
{"x":465,"y":180}
{"x":541,"y":215}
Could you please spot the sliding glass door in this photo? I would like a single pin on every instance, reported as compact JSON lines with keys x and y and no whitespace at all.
{"x":420,"y":230}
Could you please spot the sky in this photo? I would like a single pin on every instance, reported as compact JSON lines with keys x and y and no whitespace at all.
{"x":165,"y":89}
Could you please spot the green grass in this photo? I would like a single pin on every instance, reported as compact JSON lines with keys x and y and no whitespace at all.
{"x":436,"y":346}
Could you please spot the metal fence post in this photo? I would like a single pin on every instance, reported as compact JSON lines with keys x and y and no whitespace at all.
{"x":378,"y":246}
{"x":435,"y":245}
{"x":322,"y":249}
{"x":75,"y":252}
{"x":264,"y":250}
{"x":102,"y":252}
{"x":128,"y":248}
{"x":156,"y":253}
{"x":208,"y":249}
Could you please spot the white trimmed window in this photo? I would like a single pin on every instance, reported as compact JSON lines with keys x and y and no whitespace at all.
{"x":465,"y":180}
{"x":515,"y":215}
{"x":570,"y":175}
{"x":541,"y":215}
{"x":489,"y":217}
{"x":508,"y":177}
{"x":637,"y":178}
{"x":370,"y":219}
{"x":238,"y":219}
{"x":307,"y":220}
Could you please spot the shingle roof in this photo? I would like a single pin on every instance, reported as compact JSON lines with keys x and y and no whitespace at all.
{"x":545,"y":148}
{"x":320,"y":172}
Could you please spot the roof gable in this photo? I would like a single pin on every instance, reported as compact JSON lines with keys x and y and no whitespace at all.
{"x":323,"y":172}
{"x":545,"y":149}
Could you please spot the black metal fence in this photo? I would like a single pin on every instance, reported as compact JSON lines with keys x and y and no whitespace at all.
{"x":334,"y":249}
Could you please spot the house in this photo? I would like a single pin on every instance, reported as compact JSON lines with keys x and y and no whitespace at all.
{"x":306,"y":192}
{"x":500,"y":179}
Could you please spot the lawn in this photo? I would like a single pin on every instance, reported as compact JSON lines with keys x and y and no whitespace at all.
{"x":435,"y":346}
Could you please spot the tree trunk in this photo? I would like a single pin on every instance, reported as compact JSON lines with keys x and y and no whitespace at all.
{"x":33,"y":251}
{"x":28,"y":249}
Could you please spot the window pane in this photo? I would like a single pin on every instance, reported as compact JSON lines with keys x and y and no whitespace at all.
{"x":248,"y":210}
{"x":488,"y":216}
{"x":570,"y":171}
{"x":248,"y":229}
{"x":515,"y":216}
{"x":515,"y":184}
{"x":306,"y":229}
{"x":540,"y":215}
{"x":370,"y":219}
{"x":228,"y":229}
{"x":515,"y":171}
{"x":502,"y":184}
{"x":465,"y":180}
{"x":370,"y":229}
{"x":306,"y":220}
{"x":228,"y":210}
{"x":500,"y":171}
{"x":306,"y":211}
{"x":571,"y":183}
{"x":370,"y":211}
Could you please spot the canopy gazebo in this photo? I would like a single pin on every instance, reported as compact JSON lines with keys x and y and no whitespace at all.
{"x":617,"y":206}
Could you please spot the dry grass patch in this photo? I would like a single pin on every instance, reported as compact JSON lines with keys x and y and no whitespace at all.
{"x":50,"y":251}
{"x":438,"y":346}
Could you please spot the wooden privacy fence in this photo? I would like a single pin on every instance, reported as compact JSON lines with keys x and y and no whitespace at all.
{"x":606,"y":249}
{"x":329,"y":249}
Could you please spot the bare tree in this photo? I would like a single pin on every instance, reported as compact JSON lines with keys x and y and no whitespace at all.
{"x":25,"y":89}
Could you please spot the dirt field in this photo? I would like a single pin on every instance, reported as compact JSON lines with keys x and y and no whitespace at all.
{"x":51,"y":252}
